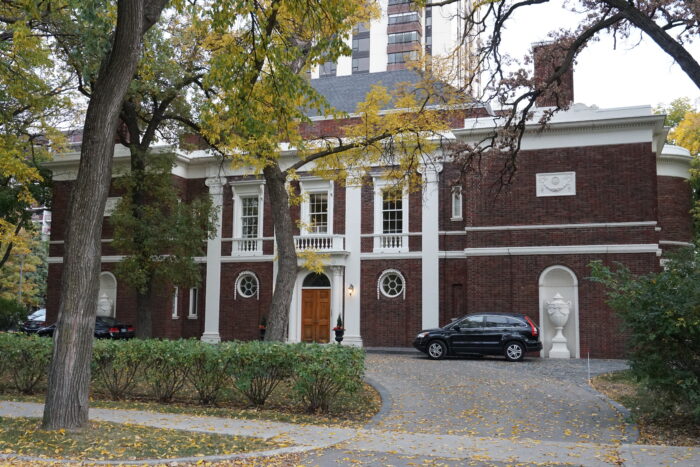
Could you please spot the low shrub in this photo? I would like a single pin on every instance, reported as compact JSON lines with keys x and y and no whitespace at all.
{"x":165,"y":366}
{"x":115,"y":365}
{"x":316,"y":374}
{"x":209,"y":369}
{"x":26,"y":360}
{"x":259,"y":367}
{"x":322,"y":373}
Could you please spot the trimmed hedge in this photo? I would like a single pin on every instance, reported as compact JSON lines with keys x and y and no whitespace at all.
{"x":318,"y":375}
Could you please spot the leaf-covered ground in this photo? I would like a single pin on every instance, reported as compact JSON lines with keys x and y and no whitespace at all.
{"x":672,"y":430}
{"x":350,"y":410}
{"x":107,"y":441}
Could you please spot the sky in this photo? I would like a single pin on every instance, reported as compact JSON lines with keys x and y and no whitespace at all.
{"x":604,"y":75}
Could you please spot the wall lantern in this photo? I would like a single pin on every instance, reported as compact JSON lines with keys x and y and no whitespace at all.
{"x":351,"y":289}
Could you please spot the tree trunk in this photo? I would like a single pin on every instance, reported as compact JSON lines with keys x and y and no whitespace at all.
{"x":69,"y":374}
{"x":278,"y":317}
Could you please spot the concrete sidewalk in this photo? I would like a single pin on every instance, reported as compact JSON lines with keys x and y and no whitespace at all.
{"x":306,"y":437}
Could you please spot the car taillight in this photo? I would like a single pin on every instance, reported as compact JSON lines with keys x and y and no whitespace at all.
{"x":130,"y":329}
{"x":113,"y":329}
{"x":533,"y":328}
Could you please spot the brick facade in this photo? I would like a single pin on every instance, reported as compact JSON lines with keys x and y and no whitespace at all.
{"x":620,"y":202}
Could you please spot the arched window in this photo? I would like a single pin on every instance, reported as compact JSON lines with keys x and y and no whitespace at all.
{"x":247,"y":285}
{"x":107,"y":297}
{"x":316,"y":280}
{"x":391,"y":284}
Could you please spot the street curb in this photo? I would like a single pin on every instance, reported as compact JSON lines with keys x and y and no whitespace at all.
{"x":386,"y":402}
{"x":624,"y":412}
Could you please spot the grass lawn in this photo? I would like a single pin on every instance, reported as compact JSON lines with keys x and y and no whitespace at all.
{"x":112,"y":441}
{"x":353,"y":410}
{"x":674,"y":430}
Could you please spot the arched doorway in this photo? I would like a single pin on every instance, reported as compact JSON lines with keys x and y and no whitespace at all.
{"x":107,"y":298}
{"x":559,"y":281}
{"x":316,"y":308}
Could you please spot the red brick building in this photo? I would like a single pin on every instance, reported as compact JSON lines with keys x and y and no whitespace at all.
{"x":595,"y":184}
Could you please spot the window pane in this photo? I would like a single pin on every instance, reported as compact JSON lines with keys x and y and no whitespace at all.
{"x":392,"y":212}
{"x":249,"y":217}
{"x":318,"y":213}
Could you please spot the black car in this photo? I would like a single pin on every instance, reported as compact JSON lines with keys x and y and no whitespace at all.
{"x":105,"y":328}
{"x":34,"y":322}
{"x":507,"y":334}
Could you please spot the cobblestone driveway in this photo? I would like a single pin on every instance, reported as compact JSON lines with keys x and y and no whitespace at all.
{"x":539,"y":398}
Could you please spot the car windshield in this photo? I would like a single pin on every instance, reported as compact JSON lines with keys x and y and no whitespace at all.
{"x":38,"y":315}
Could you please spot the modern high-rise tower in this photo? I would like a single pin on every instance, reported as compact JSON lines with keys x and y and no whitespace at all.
{"x":399,"y":34}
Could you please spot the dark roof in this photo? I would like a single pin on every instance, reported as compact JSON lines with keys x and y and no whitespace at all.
{"x":345,"y":92}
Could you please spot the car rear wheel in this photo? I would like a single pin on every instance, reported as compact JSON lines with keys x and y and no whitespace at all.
{"x":437,"y":350}
{"x":514,"y":351}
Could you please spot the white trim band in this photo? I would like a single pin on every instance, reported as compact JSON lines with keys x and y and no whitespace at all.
{"x":601,"y":225}
{"x":674,"y":243}
{"x":563,"y":250}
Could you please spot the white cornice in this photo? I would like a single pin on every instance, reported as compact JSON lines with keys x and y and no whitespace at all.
{"x":564,"y":250}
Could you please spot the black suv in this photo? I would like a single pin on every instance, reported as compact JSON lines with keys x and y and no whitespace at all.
{"x":508,"y":334}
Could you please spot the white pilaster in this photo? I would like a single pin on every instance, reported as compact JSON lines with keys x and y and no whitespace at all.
{"x":211,"y":306}
{"x":353,"y":229}
{"x":430,"y":264}
{"x":337,"y":293}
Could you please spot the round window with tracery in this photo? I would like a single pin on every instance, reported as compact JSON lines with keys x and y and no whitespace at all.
{"x":392,"y":284}
{"x":247,"y":285}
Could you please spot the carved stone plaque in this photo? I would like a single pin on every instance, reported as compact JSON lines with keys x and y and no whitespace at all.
{"x":556,"y":184}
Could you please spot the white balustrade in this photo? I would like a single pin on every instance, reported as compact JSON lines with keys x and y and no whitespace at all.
{"x":320,"y":242}
{"x":247,"y":246}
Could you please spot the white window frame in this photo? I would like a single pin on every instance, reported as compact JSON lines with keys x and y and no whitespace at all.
{"x":457,"y":204}
{"x":176,"y":294}
{"x":194,"y":301}
{"x":236,"y":290}
{"x":247,"y":189}
{"x":380,"y":185}
{"x":312,"y":186}
{"x":380,"y":289}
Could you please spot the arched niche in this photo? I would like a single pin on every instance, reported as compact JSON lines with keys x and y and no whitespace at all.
{"x":560,"y":280}
{"x":108,"y":289}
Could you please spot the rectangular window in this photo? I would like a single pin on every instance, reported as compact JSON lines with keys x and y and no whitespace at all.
{"x":399,"y":2}
{"x":194,"y":299}
{"x":318,"y":213}
{"x":362,"y":27}
{"x":403,"y":37}
{"x":176,"y":292}
{"x":401,"y":57}
{"x":360,"y":44}
{"x":360,"y":65}
{"x":456,"y":203}
{"x":249,"y":217}
{"x":392,"y":211}
{"x":327,"y":69}
{"x":401,"y":18}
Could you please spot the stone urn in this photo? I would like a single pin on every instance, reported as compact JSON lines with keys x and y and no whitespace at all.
{"x":558,"y":311}
{"x":104,"y":306}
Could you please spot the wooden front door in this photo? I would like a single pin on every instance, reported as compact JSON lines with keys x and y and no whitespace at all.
{"x":315,"y":315}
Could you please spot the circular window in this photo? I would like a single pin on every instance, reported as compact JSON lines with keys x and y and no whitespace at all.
{"x":392,"y":284}
{"x":247,"y":284}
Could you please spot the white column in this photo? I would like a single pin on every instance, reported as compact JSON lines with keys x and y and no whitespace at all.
{"x":430,"y":264}
{"x":211,"y":306}
{"x":337,"y":292}
{"x":353,"y":229}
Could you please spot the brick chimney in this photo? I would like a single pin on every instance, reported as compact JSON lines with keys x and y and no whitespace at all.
{"x":547,"y":57}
